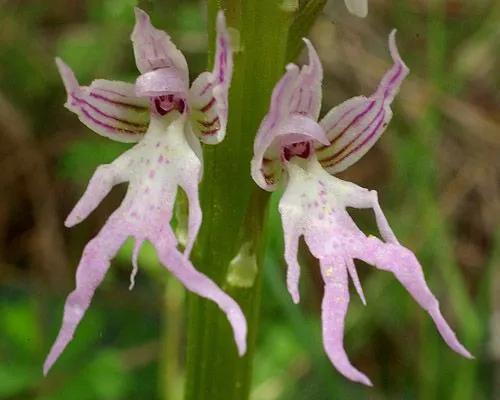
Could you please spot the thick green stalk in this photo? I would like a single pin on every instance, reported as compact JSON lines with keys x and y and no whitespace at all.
{"x":230,"y":244}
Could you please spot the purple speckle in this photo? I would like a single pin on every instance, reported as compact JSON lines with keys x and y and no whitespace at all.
{"x":152,"y":173}
{"x":160,"y":158}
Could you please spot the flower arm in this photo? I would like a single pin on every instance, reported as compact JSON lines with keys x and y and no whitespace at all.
{"x":104,"y":178}
{"x":358,"y":197}
{"x":292,"y":233}
{"x":209,"y":92}
{"x":109,"y":108}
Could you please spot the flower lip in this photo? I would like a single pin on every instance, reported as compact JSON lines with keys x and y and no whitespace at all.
{"x":162,"y":105}
{"x":298,"y":149}
{"x":161,"y":81}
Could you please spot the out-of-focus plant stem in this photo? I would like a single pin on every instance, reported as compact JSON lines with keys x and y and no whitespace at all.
{"x":230,"y":245}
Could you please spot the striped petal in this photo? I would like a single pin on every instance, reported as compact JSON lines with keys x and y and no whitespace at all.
{"x":109,"y":108}
{"x":357,"y":7}
{"x":210,"y":90}
{"x":354,"y":126}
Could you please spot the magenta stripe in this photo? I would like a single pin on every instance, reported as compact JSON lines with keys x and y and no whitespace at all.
{"x":354,"y":120}
{"x":209,"y":105}
{"x":116,"y":102}
{"x":366,"y":140}
{"x":97,"y":110}
{"x":107,"y":126}
{"x":392,"y":80}
{"x":332,"y":157}
{"x":209,"y":123}
{"x":208,"y":86}
{"x":110,"y":92}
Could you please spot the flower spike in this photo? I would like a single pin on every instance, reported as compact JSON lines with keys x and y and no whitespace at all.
{"x":157,"y":113}
{"x":293,"y":149}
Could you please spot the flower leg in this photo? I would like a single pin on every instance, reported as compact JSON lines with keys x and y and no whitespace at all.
{"x":200,"y":284}
{"x":407,"y":270}
{"x":91,"y":270}
{"x":333,"y":312}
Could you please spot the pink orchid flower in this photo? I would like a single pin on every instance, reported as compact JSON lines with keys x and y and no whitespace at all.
{"x":293,"y":148}
{"x":167,"y":119}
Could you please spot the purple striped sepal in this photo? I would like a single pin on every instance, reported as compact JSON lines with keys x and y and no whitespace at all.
{"x":109,"y":108}
{"x":354,"y":126}
{"x":294,"y":110}
{"x":153,"y":48}
{"x":208,"y":96}
{"x":351,"y":128}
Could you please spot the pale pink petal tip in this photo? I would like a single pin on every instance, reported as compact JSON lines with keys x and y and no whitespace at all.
{"x":393,"y":48}
{"x":67,"y":75}
{"x":448,"y":335}
{"x":141,"y":16}
{"x":221,"y":22}
{"x":239,"y":325}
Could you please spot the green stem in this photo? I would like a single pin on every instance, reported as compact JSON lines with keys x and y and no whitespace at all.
{"x":230,"y":245}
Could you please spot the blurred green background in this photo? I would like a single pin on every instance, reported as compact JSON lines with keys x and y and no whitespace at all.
{"x":437,"y":170}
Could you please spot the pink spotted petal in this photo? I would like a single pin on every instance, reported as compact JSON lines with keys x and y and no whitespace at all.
{"x":354,"y":126}
{"x":153,"y":48}
{"x":333,"y":313}
{"x":109,"y":108}
{"x":407,"y":270}
{"x":210,"y":90}
{"x":200,"y":284}
{"x":91,"y":271}
{"x":357,"y":7}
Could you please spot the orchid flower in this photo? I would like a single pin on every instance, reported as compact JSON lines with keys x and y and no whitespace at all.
{"x":357,"y":7}
{"x":167,"y":119}
{"x":292,"y":148}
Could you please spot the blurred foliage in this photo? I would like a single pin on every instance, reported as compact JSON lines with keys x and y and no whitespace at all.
{"x":437,"y":171}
